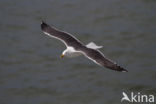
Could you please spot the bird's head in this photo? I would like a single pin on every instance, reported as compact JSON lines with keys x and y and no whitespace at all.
{"x":67,"y":53}
{"x":64,"y":53}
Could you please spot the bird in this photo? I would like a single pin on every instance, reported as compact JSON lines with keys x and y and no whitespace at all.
{"x":125,"y":97}
{"x":75,"y":47}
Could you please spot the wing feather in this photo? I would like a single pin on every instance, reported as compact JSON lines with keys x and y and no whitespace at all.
{"x":66,"y":38}
{"x":100,"y":59}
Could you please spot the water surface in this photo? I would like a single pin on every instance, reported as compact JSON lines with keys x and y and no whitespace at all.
{"x":31,"y":71}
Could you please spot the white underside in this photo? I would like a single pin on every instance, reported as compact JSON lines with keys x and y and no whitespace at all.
{"x":74,"y":54}
{"x":71,"y":52}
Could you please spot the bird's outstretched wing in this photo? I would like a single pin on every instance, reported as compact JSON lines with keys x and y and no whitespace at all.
{"x":66,"y":38}
{"x":100,"y":59}
{"x":69,"y":40}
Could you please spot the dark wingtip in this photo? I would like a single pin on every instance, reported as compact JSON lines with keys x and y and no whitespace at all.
{"x":43,"y":25}
{"x":117,"y":68}
{"x":122,"y":69}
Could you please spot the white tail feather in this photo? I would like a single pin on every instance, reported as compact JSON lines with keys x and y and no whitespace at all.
{"x":93,"y":46}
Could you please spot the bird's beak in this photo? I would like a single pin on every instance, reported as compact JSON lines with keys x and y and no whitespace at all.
{"x":62,"y":56}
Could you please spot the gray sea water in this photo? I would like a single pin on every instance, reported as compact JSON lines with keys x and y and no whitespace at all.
{"x":31,"y":71}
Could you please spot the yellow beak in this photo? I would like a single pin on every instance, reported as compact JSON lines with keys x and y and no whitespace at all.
{"x":62,"y":56}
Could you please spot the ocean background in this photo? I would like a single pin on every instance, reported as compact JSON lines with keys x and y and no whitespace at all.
{"x":32,"y":72}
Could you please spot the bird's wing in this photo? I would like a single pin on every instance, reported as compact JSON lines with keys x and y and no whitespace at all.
{"x":66,"y":38}
{"x":100,"y":59}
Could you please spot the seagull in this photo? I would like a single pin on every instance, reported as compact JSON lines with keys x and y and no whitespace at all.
{"x":74,"y":48}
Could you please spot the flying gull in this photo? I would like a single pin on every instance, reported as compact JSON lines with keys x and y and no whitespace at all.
{"x":76,"y":48}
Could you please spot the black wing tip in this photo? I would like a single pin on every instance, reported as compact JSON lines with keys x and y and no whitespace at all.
{"x":124,"y":70}
{"x":117,"y":68}
{"x":121,"y":69}
{"x":43,"y":25}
